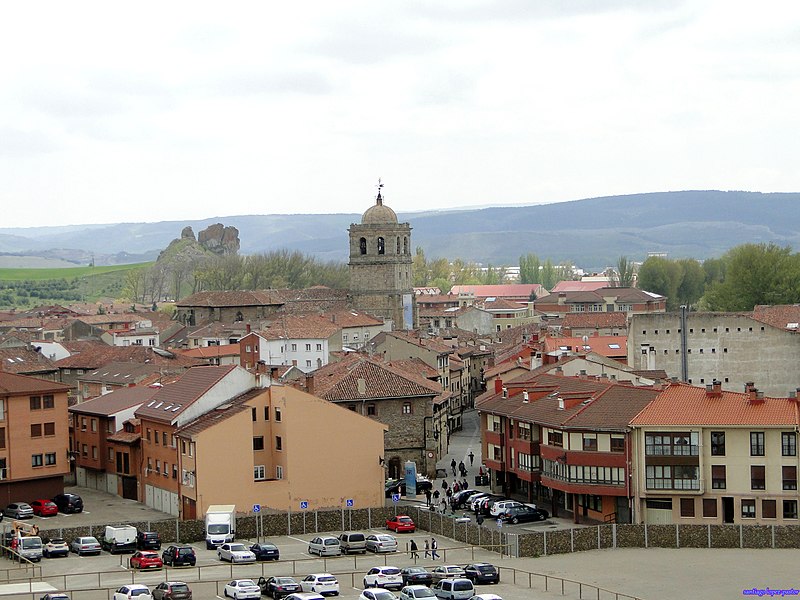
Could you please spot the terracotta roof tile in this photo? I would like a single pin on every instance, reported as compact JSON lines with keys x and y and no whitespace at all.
{"x":115,"y":401}
{"x":595,"y":319}
{"x":578,"y":286}
{"x":120,"y":373}
{"x":124,"y":437}
{"x":605,"y":345}
{"x":507,"y":290}
{"x":24,"y":361}
{"x":224,"y":411}
{"x":785,"y":316}
{"x":295,"y":327}
{"x":683,"y":404}
{"x":11,"y":384}
{"x":91,"y":355}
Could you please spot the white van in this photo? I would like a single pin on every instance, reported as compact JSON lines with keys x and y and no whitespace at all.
{"x":454,"y":589}
{"x":30,"y":547}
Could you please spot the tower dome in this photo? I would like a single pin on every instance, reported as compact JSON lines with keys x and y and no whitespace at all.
{"x":379,"y":213}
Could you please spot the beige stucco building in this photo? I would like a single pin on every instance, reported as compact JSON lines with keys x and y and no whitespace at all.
{"x":277,"y":447}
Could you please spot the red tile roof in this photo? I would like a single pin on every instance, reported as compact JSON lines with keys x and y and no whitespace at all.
{"x":605,"y":345}
{"x":13,"y":384}
{"x":224,"y":411}
{"x":91,"y":355}
{"x":784,"y":316}
{"x":595,"y":320}
{"x":578,"y":286}
{"x":683,"y":404}
{"x":507,"y":290}
{"x":212,"y":351}
{"x":115,"y":401}
{"x":299,"y":326}
{"x":25,"y":361}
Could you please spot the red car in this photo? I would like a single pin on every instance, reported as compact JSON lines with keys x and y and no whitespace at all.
{"x":44,"y":508}
{"x":145,"y":559}
{"x":401,"y":523}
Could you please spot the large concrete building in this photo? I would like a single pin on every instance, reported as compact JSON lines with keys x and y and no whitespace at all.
{"x":380,"y":266}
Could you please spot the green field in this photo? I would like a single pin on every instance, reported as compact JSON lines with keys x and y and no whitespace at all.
{"x":26,"y":288}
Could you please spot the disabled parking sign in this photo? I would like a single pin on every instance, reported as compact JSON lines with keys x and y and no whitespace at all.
{"x":395,"y":498}
{"x":304,"y":505}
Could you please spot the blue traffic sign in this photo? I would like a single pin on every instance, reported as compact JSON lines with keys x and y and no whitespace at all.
{"x":304,"y":505}
{"x":256,"y":508}
{"x":395,"y":498}
{"x":350,"y":503}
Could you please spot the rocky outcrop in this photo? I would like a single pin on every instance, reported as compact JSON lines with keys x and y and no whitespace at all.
{"x":187,"y":233}
{"x":219,"y":239}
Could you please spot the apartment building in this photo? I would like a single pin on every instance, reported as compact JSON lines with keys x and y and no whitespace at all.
{"x":34,"y":437}
{"x":706,"y":455}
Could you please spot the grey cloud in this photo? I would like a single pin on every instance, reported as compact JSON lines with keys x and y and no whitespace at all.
{"x":296,"y":82}
{"x":366,"y":43}
{"x":19,"y":143}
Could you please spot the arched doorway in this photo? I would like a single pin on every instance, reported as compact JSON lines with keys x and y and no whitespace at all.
{"x":395,"y":468}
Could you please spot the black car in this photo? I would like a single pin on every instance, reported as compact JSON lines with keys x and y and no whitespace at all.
{"x":482,"y":573}
{"x":523,"y":514}
{"x":68,"y":503}
{"x":148,"y":540}
{"x":416,"y":576}
{"x":177,"y":556}
{"x":398,"y":486}
{"x":278,"y":587}
{"x":459,"y":498}
{"x":265,"y":551}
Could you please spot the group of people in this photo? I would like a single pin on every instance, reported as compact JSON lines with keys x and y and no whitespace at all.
{"x":462,"y":468}
{"x":430,"y":549}
{"x":436,"y":500}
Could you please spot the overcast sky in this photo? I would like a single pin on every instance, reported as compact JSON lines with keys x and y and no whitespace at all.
{"x":186,"y":110}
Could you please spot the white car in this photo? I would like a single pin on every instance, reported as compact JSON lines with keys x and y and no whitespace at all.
{"x":501,"y":506}
{"x":381,"y":542}
{"x":242,"y":588}
{"x":236,"y":553}
{"x":377,"y":595}
{"x":304,"y":596}
{"x":486,"y":597}
{"x":415,"y":592}
{"x":133,"y":590}
{"x":321,"y":583}
{"x":447,"y":572}
{"x":325,"y":545}
{"x":384,"y":577}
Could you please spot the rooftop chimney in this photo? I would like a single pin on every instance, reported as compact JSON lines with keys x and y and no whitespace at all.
{"x":498,"y":385}
{"x":310,"y":383}
{"x":247,"y":327}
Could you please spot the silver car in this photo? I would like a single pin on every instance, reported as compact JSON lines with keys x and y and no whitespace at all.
{"x":381,"y":542}
{"x":235,"y":553}
{"x":85,"y":545}
{"x":18,"y":510}
{"x":325,"y":545}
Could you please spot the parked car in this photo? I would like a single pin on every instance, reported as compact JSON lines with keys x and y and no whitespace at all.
{"x":523,"y":514}
{"x":401,"y":523}
{"x":68,"y":503}
{"x":18,"y":510}
{"x":179,"y":556}
{"x":145,"y":559}
{"x":384,"y":577}
{"x":499,"y":507}
{"x":353,"y":542}
{"x":484,"y":505}
{"x":305,"y":596}
{"x":460,"y":497}
{"x":381,"y":542}
{"x":133,"y":590}
{"x":278,"y":587}
{"x":482,"y":573}
{"x":54,"y":596}
{"x":416,"y":592}
{"x":44,"y":508}
{"x":398,"y":486}
{"x":416,"y":576}
{"x":321,"y":583}
{"x":55,"y":547}
{"x":325,"y":545}
{"x":447,"y":572}
{"x":376,"y":595}
{"x":235,"y":553}
{"x":486,"y":597}
{"x":172,"y":590}
{"x":148,"y":540}
{"x":454,"y":589}
{"x":85,"y":545}
{"x":265,"y":551}
{"x":472,"y":501}
{"x":238,"y":589}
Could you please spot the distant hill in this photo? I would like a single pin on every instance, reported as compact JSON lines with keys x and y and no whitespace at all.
{"x":591,"y":233}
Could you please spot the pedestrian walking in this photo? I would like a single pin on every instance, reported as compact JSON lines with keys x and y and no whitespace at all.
{"x":453,"y":466}
{"x":449,"y":493}
{"x":427,"y":548}
{"x":444,"y":505}
{"x":434,"y":548}
{"x":462,"y":467}
{"x":427,"y":497}
{"x":456,"y":487}
{"x":471,"y":457}
{"x":479,"y":519}
{"x":436,"y":496}
{"x":414,"y":553}
{"x":444,"y":484}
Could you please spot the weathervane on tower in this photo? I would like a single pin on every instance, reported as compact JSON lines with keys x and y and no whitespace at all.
{"x":379,"y":199}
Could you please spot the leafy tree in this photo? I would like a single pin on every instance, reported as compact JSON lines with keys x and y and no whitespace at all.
{"x":529,"y":269}
{"x":623,"y":276}
{"x":693,"y":281}
{"x":661,"y":276}
{"x":549,"y":275}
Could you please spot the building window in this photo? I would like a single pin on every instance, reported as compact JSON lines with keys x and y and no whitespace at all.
{"x":768,"y":509}
{"x":788,"y":443}
{"x":406,"y":408}
{"x":749,"y":509}
{"x":589,"y":443}
{"x":617,"y":444}
{"x":36,"y":460}
{"x":381,"y":246}
{"x":277,"y":415}
{"x":278,"y":472}
{"x":94,"y":425}
{"x":259,"y":473}
{"x":278,"y":443}
{"x":147,"y":436}
{"x":757,"y":478}
{"x":362,"y":245}
{"x":174,"y":471}
{"x":164,"y":438}
{"x":555,"y":438}
{"x":308,"y":347}
{"x":687,"y":507}
{"x":49,"y":428}
{"x":294,"y":347}
{"x":85,"y":450}
{"x":48,"y":401}
{"x":2,"y":438}
{"x":158,"y":466}
{"x":50,"y":458}
{"x":183,"y":447}
{"x":790,"y":509}
{"x":258,"y":443}
{"x":254,"y":414}
{"x":149,"y":465}
{"x":756,"y":443}
{"x":371,"y":410}
{"x":36,"y":430}
{"x":672,"y":444}
{"x":111,"y":454}
{"x":308,"y":363}
{"x":718,"y":477}
{"x":709,"y":507}
{"x":319,"y":347}
{"x":155,"y":436}
{"x":94,"y":452}
{"x":717,"y":443}
{"x":266,"y":413}
{"x":36,"y":402}
{"x":789,"y":474}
